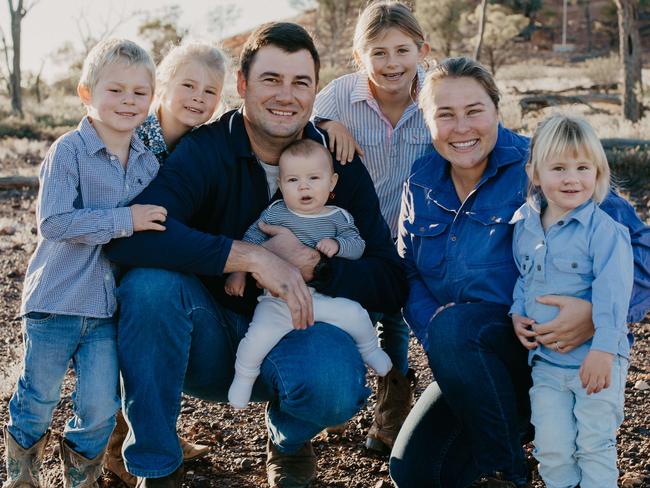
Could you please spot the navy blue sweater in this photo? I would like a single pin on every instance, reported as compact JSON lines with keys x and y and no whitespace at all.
{"x":214,"y":189}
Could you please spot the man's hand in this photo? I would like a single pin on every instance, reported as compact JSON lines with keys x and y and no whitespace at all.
{"x":329,"y":247}
{"x":524,"y":331}
{"x":285,"y":245}
{"x":236,"y":284}
{"x":148,"y":217}
{"x":572,"y":326}
{"x":341,"y":141}
{"x":596,"y":371}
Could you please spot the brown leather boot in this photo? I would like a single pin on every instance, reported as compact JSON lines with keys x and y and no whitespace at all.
{"x":23,"y":465}
{"x":394,"y":401}
{"x":114,"y":462}
{"x":78,"y":470}
{"x":295,"y":470}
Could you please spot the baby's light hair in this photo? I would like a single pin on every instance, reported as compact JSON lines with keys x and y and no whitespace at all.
{"x":379,"y":16}
{"x":112,"y":51}
{"x":560,"y":134}
{"x":306,"y":148}
{"x":209,"y":56}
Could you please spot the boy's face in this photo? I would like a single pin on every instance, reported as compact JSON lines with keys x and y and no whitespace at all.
{"x":306,"y":182}
{"x":120,"y":100}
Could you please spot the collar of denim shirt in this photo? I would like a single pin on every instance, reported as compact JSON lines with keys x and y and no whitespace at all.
{"x":94,"y":143}
{"x":435,"y":174}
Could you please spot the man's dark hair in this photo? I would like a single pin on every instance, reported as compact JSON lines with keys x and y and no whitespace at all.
{"x":287,"y":36}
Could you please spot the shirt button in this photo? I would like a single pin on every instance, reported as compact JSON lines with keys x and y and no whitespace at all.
{"x":113,"y":158}
{"x":107,"y":277}
{"x":493,"y":218}
{"x":539,"y":267}
{"x":574,"y":265}
{"x":422,"y":229}
{"x":453,"y":238}
{"x":560,"y":222}
{"x":527,"y":258}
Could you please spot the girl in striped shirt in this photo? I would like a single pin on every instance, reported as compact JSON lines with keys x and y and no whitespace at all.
{"x":374,"y":112}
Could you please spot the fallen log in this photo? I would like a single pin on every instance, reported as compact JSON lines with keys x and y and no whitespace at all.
{"x":12,"y":182}
{"x":618,"y":143}
{"x":538,"y":102}
{"x":592,"y":88}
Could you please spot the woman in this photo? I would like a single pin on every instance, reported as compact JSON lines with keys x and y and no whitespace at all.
{"x":469,"y":426}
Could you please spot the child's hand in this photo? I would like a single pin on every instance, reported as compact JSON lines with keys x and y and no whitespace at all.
{"x":524,"y":331}
{"x":341,"y":141}
{"x":148,"y":217}
{"x":329,"y":247}
{"x":236,"y":284}
{"x":596,"y":371}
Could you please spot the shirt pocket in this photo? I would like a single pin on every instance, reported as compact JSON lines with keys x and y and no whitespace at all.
{"x":369,"y":138}
{"x":416,"y":137}
{"x":489,"y":237}
{"x":428,"y":241}
{"x":572,"y":274}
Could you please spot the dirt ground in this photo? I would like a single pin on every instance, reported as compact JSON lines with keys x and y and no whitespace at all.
{"x":237,"y":439}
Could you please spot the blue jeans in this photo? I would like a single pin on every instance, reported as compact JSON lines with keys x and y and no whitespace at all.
{"x":173,"y":337}
{"x":575,"y":433}
{"x":393,"y":336}
{"x":50,"y":342}
{"x":472,"y":420}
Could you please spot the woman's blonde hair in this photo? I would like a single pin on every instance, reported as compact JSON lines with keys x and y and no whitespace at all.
{"x":382,"y":15}
{"x":209,"y":56}
{"x":560,"y":134}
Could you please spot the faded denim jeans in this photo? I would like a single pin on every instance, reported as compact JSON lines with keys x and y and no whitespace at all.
{"x":173,"y":337}
{"x":51,"y":341}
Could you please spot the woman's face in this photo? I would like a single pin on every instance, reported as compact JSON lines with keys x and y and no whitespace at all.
{"x":465,"y":121}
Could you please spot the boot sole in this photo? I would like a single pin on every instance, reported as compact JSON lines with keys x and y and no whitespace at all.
{"x":377,"y":446}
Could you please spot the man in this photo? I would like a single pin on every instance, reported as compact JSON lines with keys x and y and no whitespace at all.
{"x":179,"y":332}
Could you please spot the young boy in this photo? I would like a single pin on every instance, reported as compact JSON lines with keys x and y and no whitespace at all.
{"x":306,"y":179}
{"x":86,"y":179}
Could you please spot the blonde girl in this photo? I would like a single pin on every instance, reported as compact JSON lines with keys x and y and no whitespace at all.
{"x":564,"y":244}
{"x":189,"y":81}
{"x":374,"y":112}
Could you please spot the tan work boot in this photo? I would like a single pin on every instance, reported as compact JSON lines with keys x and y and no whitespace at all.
{"x":23,"y":465}
{"x":78,"y":470}
{"x":394,"y":401}
{"x":296,"y":470}
{"x":174,"y":480}
{"x":114,"y":462}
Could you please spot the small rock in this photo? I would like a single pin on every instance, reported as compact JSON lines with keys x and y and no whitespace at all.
{"x":7,"y":230}
{"x":641,"y":385}
{"x":382,"y":484}
{"x":631,"y":480}
{"x":244,"y":463}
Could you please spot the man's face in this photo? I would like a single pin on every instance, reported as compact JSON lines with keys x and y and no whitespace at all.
{"x":279,"y":92}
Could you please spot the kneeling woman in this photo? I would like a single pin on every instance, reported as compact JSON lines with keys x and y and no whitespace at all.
{"x":469,"y":426}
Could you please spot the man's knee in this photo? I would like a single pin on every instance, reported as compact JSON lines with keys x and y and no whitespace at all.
{"x":149,"y":288}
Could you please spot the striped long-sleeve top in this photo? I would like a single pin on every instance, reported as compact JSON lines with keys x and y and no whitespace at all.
{"x":389,"y":151}
{"x":334,"y":223}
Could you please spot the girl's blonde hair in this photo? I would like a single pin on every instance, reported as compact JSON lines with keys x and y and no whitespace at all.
{"x":209,"y":56}
{"x":382,"y":15}
{"x":560,"y":134}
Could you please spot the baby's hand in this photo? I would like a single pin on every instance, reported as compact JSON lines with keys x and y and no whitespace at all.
{"x":596,"y":371}
{"x":236,"y":284}
{"x":148,"y":217}
{"x":341,"y":141}
{"x":524,"y":331}
{"x":329,"y":247}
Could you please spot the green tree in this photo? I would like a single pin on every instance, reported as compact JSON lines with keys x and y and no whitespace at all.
{"x":440,"y":20}
{"x":162,"y":30}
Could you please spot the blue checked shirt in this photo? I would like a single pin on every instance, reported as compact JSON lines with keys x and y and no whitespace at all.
{"x":82,"y":202}
{"x":389,"y":151}
{"x":585,"y":255}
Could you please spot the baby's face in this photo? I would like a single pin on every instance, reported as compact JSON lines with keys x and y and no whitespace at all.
{"x":306,"y":182}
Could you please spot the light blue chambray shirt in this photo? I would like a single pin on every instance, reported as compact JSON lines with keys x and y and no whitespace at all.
{"x":586,"y":255}
{"x":81,"y":205}
{"x":389,"y":151}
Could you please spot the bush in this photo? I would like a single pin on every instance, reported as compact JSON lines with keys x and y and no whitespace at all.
{"x":604,"y":70}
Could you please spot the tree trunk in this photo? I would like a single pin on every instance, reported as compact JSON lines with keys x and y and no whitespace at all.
{"x":587,"y":10}
{"x":17,"y":15}
{"x":481,"y":30}
{"x":630,"y":51}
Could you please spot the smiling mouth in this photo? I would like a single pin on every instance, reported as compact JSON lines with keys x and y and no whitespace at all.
{"x":464,"y":144}
{"x":394,"y":76}
{"x":194,"y":110}
{"x":126,"y":114}
{"x":281,"y":113}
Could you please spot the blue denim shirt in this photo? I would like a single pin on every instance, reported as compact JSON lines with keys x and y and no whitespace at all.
{"x":586,"y":255}
{"x":462,"y":252}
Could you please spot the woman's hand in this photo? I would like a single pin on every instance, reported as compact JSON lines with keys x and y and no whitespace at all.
{"x":572,"y":326}
{"x":596,"y":371}
{"x":341,"y":141}
{"x":524,"y":331}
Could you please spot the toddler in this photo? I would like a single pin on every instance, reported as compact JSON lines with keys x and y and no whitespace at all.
{"x":564,"y":244}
